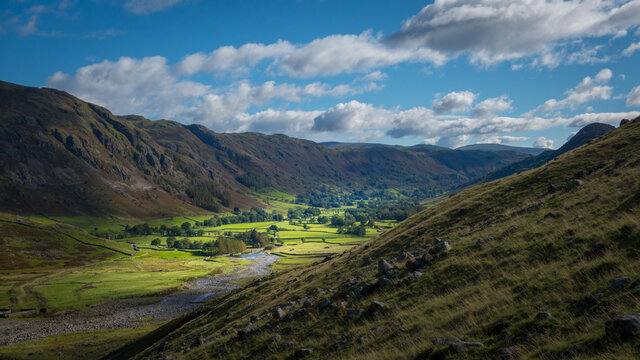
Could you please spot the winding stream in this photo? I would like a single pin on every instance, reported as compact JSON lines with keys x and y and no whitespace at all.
{"x":124,"y":313}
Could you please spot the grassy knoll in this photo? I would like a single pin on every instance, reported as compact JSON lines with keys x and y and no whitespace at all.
{"x":72,"y":346}
{"x":530,"y":243}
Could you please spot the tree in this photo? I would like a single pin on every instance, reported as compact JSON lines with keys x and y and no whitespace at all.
{"x":170,"y":241}
{"x":155,"y":242}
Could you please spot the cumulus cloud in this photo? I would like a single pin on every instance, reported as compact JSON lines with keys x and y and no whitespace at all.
{"x":589,"y":89}
{"x":543,"y":143}
{"x":493,"y":31}
{"x":330,"y":55}
{"x":500,"y":139}
{"x":491,"y":106}
{"x":454,"y":101}
{"x":633,"y":98}
{"x":631,"y":49}
{"x":145,"y":7}
{"x":149,"y":86}
{"x":607,"y":118}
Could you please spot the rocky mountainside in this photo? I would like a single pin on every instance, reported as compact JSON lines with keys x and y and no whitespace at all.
{"x":62,"y":156}
{"x":541,"y":264}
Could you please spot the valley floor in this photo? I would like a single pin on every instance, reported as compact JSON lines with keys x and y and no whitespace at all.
{"x":128,"y":313}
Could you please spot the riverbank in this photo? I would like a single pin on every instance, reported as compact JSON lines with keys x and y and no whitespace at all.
{"x":133,"y":312}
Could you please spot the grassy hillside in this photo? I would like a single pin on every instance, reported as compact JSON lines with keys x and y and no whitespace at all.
{"x":61,"y":156}
{"x":529,"y":274}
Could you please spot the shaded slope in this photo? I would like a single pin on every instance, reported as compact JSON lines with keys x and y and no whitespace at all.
{"x":517,"y":249}
{"x":62,"y":156}
{"x":583,"y":136}
{"x":499,"y":147}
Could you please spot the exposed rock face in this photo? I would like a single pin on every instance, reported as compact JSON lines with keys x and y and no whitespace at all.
{"x":384,"y":266}
{"x":623,"y":327}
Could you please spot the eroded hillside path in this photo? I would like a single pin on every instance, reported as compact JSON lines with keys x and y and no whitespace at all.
{"x":125,"y":313}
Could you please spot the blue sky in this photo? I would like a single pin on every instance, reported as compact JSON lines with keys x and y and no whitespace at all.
{"x":526,"y":73}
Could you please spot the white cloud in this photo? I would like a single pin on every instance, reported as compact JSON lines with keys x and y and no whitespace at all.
{"x":607,"y":118}
{"x":454,"y":101}
{"x":491,"y":106}
{"x":631,"y":49}
{"x":493,"y":31}
{"x":543,"y":143}
{"x":633,"y":98}
{"x":148,"y":86}
{"x":145,"y":7}
{"x":331,"y":55}
{"x":30,"y":27}
{"x":500,"y":139}
{"x":589,"y":89}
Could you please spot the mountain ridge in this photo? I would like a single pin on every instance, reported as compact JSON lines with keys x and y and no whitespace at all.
{"x":63,"y":156}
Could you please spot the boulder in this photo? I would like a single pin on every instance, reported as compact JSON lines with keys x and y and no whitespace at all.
{"x":440,"y":246}
{"x":542,"y":315}
{"x":574,"y":183}
{"x":278,"y":313}
{"x":246,"y":332}
{"x":624,"y":121}
{"x":375,"y":306}
{"x":415,"y":274}
{"x":383,"y":281}
{"x":618,"y":284}
{"x":404,"y":256}
{"x":254,"y":318}
{"x":384,"y":266}
{"x":623,"y":327}
{"x":354,"y":312}
{"x":274,"y":340}
{"x":302,"y":353}
{"x":414,"y":265}
{"x":463,"y":346}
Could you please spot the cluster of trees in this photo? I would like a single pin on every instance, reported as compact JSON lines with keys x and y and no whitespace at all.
{"x":223,"y":245}
{"x":208,"y":196}
{"x":242,"y":217}
{"x":385,"y":210}
{"x":353,"y":229}
{"x":185,"y":229}
{"x":253,"y":238}
{"x":300,"y":213}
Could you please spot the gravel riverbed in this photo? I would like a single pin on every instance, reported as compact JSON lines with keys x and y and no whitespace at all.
{"x":124,"y":313}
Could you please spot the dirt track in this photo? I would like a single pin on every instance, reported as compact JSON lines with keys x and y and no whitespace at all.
{"x":123,"y":313}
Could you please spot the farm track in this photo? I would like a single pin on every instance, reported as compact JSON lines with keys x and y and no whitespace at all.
{"x":127,"y":313}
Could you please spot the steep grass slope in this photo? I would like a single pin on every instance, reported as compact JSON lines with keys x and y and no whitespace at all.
{"x":528,"y":275}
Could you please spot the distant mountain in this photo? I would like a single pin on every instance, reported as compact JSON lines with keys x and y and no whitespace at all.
{"x":499,"y":147}
{"x":583,"y":136}
{"x":342,"y":145}
{"x":62,"y":156}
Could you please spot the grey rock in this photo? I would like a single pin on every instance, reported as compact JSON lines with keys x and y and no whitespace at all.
{"x":278,"y":313}
{"x":440,"y":246}
{"x":383,"y":281}
{"x":302,"y":353}
{"x":506,"y":353}
{"x":246,"y":332}
{"x":542,"y":315}
{"x":618,"y":284}
{"x":375,"y":306}
{"x":463,"y":346}
{"x":415,"y":274}
{"x":623,"y":327}
{"x":254,"y":318}
{"x":404,"y":256}
{"x":354,"y":312}
{"x":445,"y":341}
{"x":384,"y":266}
{"x":274,"y":340}
{"x":574,"y":183}
{"x":624,"y":122}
